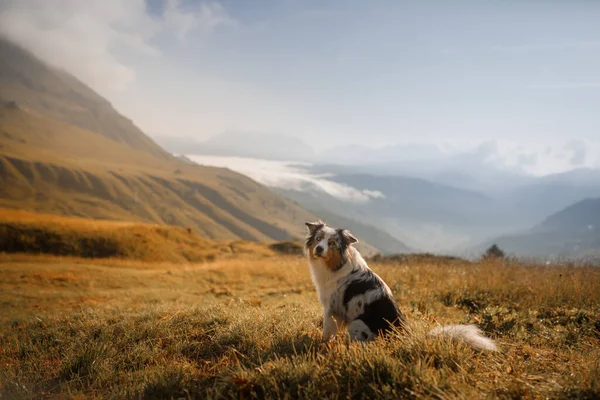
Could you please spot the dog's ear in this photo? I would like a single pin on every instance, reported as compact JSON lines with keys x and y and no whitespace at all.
{"x":348,"y":237}
{"x":314,"y":226}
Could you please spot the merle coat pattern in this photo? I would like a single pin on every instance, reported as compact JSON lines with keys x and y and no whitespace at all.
{"x":355,"y":297}
{"x":351,"y":294}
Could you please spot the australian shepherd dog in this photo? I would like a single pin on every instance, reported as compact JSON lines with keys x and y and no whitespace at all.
{"x":355,"y":297}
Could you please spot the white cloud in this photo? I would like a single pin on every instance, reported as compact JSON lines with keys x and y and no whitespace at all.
{"x":86,"y":37}
{"x":206,"y":18}
{"x":572,"y":85}
{"x":536,"y":159}
{"x":583,"y":45}
{"x":288,"y":175}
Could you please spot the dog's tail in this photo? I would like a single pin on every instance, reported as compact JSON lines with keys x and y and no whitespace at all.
{"x":470,"y":334}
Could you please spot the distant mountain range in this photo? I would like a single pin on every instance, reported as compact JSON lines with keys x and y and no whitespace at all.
{"x":338,"y":213}
{"x":549,"y":194}
{"x":466,"y":170}
{"x":571,"y":232}
{"x":425,"y":199}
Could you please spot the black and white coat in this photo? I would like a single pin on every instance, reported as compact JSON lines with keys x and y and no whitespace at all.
{"x":352,"y":295}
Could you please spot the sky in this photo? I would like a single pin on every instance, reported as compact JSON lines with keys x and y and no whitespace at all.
{"x":522,"y":74}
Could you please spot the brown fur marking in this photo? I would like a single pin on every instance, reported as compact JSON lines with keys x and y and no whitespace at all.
{"x":334,"y":256}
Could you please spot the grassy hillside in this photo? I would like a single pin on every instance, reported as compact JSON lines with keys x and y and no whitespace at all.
{"x":250,"y":328}
{"x":220,"y":205}
{"x":35,"y":233}
{"x":65,"y":150}
{"x":53,"y":162}
{"x":61,"y":97}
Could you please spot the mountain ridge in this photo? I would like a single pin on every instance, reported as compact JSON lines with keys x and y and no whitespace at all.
{"x":571,"y":232}
{"x":65,"y":150}
{"x":31,"y":83}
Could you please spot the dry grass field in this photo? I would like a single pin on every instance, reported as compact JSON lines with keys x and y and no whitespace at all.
{"x":218,"y":306}
{"x":37,"y":233}
{"x":249,"y":327}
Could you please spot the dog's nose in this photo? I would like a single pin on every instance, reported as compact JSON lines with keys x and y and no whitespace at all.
{"x":318,"y":249}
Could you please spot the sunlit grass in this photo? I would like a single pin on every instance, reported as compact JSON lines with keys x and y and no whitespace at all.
{"x":244,"y":327}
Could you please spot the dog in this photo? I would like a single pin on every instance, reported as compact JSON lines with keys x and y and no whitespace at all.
{"x":355,"y":297}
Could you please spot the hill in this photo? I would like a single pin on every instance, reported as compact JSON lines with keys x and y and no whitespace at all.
{"x":65,"y":150}
{"x":59,"y":96}
{"x":571,"y":232}
{"x":46,"y":234}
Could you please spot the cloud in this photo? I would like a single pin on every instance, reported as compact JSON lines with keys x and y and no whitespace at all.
{"x":290,"y":176}
{"x":89,"y":38}
{"x":531,"y":157}
{"x":578,"y":149}
{"x":527,"y":160}
{"x":572,"y":85}
{"x":583,"y":45}
{"x":206,"y":18}
{"x":531,"y":47}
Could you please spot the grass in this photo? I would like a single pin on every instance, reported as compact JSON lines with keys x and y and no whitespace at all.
{"x":37,"y":233}
{"x":249,"y":327}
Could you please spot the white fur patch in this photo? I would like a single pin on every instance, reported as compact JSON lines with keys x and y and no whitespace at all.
{"x":357,"y":304}
{"x":470,"y":334}
{"x":359,"y":331}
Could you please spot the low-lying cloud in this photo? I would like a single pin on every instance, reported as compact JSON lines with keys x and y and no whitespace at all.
{"x":288,"y":175}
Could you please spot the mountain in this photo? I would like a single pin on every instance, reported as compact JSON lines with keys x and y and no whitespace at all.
{"x":383,"y":241}
{"x":415,"y":212}
{"x":65,"y":150}
{"x":428,"y":215}
{"x":340,"y":214}
{"x":243,"y":144}
{"x":571,"y":232}
{"x":419,"y":199}
{"x":551,"y":193}
{"x":34,"y":86}
{"x":418,"y":211}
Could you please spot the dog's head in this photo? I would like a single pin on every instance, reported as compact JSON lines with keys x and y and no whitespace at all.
{"x":328,"y":245}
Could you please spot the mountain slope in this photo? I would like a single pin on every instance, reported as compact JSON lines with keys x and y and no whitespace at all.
{"x":64,"y":150}
{"x":59,"y":96}
{"x":573,"y":231}
{"x":419,"y":199}
{"x":552,"y":193}
{"x":386,"y":243}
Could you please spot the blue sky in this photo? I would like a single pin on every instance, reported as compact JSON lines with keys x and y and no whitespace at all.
{"x":335,"y":72}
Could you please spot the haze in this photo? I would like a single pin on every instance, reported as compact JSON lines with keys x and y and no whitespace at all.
{"x":523,"y":76}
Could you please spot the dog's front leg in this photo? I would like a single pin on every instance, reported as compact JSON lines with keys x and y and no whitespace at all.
{"x":330,"y":326}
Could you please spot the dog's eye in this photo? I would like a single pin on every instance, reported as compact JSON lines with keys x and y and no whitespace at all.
{"x":334,"y":244}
